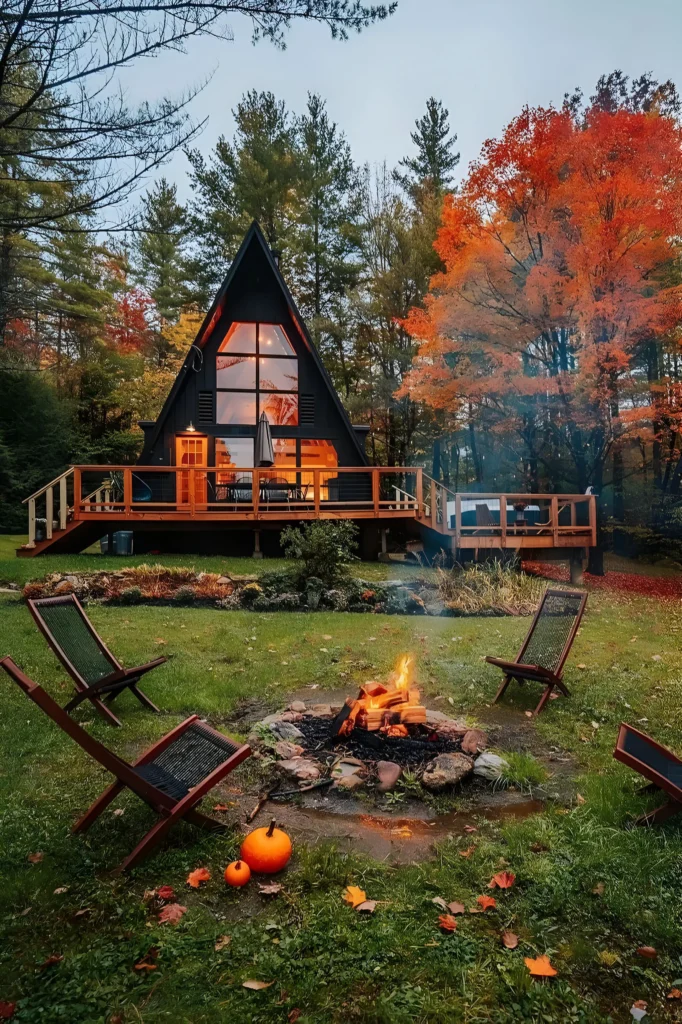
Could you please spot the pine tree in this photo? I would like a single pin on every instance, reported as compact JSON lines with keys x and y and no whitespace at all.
{"x":328,"y":238}
{"x":161,"y":260}
{"x":431,"y":169}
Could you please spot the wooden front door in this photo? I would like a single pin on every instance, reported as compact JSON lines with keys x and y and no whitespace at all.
{"x":191,"y":450}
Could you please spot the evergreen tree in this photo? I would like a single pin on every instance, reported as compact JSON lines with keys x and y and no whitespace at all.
{"x":253,"y":177}
{"x":328,"y":238}
{"x":160,"y":250}
{"x":431,"y":169}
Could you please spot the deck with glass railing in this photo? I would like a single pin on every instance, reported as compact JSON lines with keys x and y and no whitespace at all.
{"x":115,"y":495}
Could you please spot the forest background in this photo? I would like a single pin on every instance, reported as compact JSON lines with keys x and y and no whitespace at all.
{"x":516,"y":327}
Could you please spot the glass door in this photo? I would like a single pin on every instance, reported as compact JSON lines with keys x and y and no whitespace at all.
{"x":191,"y":450}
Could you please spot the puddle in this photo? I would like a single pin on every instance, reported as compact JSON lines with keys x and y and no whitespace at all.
{"x":397,"y":838}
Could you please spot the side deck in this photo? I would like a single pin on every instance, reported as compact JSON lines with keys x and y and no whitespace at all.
{"x":122,"y":496}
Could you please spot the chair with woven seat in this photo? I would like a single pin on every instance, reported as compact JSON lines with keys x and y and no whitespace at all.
{"x":547,"y":645}
{"x":173,"y":776}
{"x":93,"y":668}
{"x":656,"y":763}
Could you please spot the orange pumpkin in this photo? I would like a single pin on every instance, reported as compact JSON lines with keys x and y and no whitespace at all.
{"x":237,"y":873}
{"x":266,"y":850}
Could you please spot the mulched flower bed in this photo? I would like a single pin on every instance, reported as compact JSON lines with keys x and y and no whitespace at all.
{"x":663,"y":587}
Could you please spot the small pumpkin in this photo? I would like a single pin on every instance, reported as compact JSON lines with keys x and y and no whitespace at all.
{"x":266,"y":850}
{"x":237,"y":873}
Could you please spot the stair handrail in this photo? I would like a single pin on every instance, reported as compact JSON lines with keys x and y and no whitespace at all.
{"x":37,"y":494}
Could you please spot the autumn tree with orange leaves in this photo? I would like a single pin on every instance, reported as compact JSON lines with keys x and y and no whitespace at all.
{"x":554,"y":325}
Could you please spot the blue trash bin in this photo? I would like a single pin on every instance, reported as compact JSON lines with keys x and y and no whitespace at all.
{"x":123,"y":542}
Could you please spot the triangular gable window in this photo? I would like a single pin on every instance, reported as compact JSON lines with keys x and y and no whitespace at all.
{"x":257,"y":371}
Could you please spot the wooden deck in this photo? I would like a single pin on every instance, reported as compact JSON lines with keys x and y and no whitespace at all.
{"x":119,"y":497}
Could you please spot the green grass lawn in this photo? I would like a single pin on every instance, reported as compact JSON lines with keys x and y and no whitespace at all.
{"x":588,"y":892}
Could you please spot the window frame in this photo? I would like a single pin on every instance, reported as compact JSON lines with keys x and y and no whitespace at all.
{"x":257,"y":390}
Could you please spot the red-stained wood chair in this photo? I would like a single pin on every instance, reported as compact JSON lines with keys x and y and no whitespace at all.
{"x":547,"y":645}
{"x":172,"y":776}
{"x":81,"y":650}
{"x":656,"y":763}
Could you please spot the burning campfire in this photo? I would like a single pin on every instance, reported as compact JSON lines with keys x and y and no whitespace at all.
{"x":387,"y":709}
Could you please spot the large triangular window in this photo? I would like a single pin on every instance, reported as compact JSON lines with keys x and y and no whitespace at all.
{"x":257,"y":371}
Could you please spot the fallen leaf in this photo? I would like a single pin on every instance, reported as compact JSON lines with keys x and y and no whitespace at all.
{"x":580,"y":800}
{"x":7,"y":1010}
{"x":172,"y":913}
{"x":271,"y":889}
{"x":221,"y":807}
{"x":354,"y":896}
{"x":56,"y":958}
{"x":222,"y":943}
{"x":456,"y":908}
{"x":118,"y":812}
{"x":294,"y":1015}
{"x":447,"y":923}
{"x":61,"y":889}
{"x":326,"y":636}
{"x":510,"y":940}
{"x":368,"y":907}
{"x":540,"y":968}
{"x":502,"y":880}
{"x":35,"y":858}
{"x":470,"y":828}
{"x":256,"y":986}
{"x":674,"y":993}
{"x":404,"y":831}
{"x":166,"y":892}
{"x":656,"y":657}
{"x":486,"y":902}
{"x":440,"y":902}
{"x":82,"y":912}
{"x":467,"y":853}
{"x":144,"y":965}
{"x":647,"y":951}
{"x":160,"y":640}
{"x":529,"y":714}
{"x":196,"y":877}
{"x":26,"y":912}
{"x":638,"y":1009}
{"x":582,"y":667}
{"x":539,"y":848}
{"x":598,"y":889}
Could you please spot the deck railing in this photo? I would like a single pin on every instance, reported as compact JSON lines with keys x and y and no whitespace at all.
{"x":119,"y":493}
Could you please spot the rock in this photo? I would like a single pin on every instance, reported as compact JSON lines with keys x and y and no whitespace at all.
{"x":290,"y":716}
{"x":439,"y":722}
{"x":475,"y":741}
{"x":349,"y":782}
{"x":297,"y":705}
{"x":287,"y":750}
{"x":64,"y":587}
{"x":286,"y":730}
{"x":223,"y":581}
{"x":489,"y":766}
{"x":321,"y":711}
{"x":300,"y":769}
{"x":73,"y":580}
{"x":389,"y":772}
{"x":446,"y":770}
{"x":270,"y":720}
{"x":344,"y":767}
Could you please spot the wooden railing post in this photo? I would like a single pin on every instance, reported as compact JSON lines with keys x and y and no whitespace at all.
{"x":63,"y":503}
{"x":31,"y":523}
{"x":593,"y":519}
{"x":49,"y":511}
{"x":555,"y":520}
{"x":192,"y":491}
{"x":574,"y":517}
{"x":255,"y":491}
{"x":127,"y":491}
{"x":434,"y":505}
{"x":316,"y":491}
{"x":420,"y":492}
{"x":458,"y":521}
{"x":76,"y":492}
{"x":503,"y":519}
{"x":375,"y":491}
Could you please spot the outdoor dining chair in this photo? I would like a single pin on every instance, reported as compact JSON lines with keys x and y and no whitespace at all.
{"x":656,"y":763}
{"x":172,"y":776}
{"x":547,"y":645}
{"x":98,"y":676}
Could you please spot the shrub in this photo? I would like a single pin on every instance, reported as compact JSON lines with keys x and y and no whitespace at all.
{"x":324,"y":547}
{"x":490,"y":587}
{"x":184,"y":595}
{"x":131,"y":595}
{"x":250,"y":592}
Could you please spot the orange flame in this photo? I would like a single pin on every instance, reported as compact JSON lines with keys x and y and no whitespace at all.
{"x":403,"y":672}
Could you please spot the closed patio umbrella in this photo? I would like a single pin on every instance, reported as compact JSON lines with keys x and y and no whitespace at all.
{"x":264,"y":454}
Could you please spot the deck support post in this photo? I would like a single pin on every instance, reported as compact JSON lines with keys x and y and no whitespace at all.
{"x":384,"y":547}
{"x":576,"y":566}
{"x":257,"y":553}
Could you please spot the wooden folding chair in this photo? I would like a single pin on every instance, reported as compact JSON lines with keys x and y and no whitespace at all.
{"x":93,"y":668}
{"x":172,"y":776}
{"x":547,"y":645}
{"x":656,"y":763}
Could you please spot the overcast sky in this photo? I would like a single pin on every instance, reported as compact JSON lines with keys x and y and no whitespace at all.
{"x":484,"y":59}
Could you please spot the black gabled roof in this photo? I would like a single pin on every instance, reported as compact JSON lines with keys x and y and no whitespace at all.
{"x":254,"y":236}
